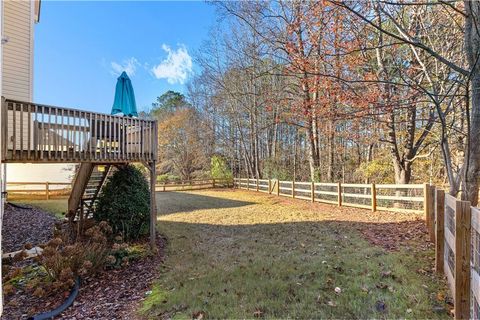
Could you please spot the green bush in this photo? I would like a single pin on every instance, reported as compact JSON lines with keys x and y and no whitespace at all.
{"x":167,"y":177}
{"x":219,"y":168}
{"x":125,"y":203}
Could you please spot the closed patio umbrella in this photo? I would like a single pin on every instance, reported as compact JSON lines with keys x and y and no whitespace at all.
{"x":124,"y":101}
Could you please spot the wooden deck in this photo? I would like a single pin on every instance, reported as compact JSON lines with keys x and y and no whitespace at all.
{"x":37,"y":133}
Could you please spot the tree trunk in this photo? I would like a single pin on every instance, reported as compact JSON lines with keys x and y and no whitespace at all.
{"x":472,"y":47}
{"x":472,"y":157}
{"x":331,"y":151}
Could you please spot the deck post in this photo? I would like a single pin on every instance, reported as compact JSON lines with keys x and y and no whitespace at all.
{"x":153,"y":204}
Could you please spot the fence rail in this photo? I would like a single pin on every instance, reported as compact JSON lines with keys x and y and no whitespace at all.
{"x":49,"y":190}
{"x":194,"y":184}
{"x":38,"y":190}
{"x":40,"y":133}
{"x":388,"y":197}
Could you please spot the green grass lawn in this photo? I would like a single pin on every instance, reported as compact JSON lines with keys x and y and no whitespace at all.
{"x":56,"y":207}
{"x":239,"y":254}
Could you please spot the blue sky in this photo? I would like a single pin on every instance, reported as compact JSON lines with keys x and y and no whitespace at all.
{"x":80,"y":48}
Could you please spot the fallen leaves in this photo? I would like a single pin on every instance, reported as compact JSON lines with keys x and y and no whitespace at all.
{"x":258,"y":313}
{"x":199,"y":315}
{"x":391,"y":236}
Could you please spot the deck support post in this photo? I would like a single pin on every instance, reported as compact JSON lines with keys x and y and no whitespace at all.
{"x":153,"y":204}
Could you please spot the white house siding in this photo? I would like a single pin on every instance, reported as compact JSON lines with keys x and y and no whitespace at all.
{"x":17,"y":78}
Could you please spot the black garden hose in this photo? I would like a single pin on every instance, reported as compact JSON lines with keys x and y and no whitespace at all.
{"x":61,"y":308}
{"x":18,"y":206}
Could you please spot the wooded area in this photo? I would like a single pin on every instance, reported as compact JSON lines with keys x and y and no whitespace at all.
{"x":355,"y":91}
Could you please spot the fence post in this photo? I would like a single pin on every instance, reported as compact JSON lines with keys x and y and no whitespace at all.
{"x":248,"y":183}
{"x":164,"y":187}
{"x":427,"y":207}
{"x":439,"y":230}
{"x":269,"y":186}
{"x":47,"y":190}
{"x":462,"y":260}
{"x":278,"y":187}
{"x":432,"y":206}
{"x":312,"y":190}
{"x":213,"y":183}
{"x":293,"y":188}
{"x":374,"y":197}
{"x":339,"y":194}
{"x":257,"y":185}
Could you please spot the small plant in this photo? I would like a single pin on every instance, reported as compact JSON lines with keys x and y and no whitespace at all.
{"x":125,"y":203}
{"x":64,"y":261}
{"x":123,"y":253}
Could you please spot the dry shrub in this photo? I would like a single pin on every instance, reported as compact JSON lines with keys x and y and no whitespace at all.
{"x":64,"y":261}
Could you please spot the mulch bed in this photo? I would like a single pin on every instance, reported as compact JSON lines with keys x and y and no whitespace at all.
{"x":112,"y":294}
{"x":117,"y":294}
{"x":21,"y":226}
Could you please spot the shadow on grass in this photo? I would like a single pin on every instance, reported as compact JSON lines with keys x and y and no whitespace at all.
{"x":175,"y":202}
{"x":293,"y":269}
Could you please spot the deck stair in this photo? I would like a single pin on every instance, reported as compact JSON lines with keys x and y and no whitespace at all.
{"x":88,"y":183}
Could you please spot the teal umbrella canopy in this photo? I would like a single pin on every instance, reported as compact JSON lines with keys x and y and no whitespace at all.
{"x":124,"y":101}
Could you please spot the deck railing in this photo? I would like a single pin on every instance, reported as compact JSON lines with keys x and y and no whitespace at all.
{"x":40,"y":133}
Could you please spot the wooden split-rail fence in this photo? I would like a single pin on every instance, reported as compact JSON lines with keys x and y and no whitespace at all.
{"x":38,"y":190}
{"x":53,"y":190}
{"x":454,"y":227}
{"x":386,"y":197}
{"x":194,"y":184}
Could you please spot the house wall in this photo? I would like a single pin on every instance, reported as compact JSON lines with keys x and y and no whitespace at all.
{"x":17,"y":60}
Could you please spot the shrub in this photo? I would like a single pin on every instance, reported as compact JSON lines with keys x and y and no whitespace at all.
{"x":64,"y":261}
{"x":219,"y":168}
{"x":164,"y":178}
{"x":125,"y":203}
